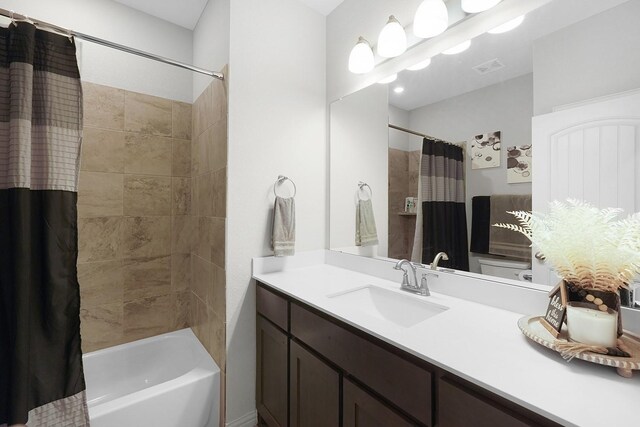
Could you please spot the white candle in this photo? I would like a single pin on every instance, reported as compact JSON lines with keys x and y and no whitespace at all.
{"x":592,"y":326}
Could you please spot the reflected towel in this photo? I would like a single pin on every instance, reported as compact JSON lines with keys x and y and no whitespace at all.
{"x":506,"y":242}
{"x":366,"y":233}
{"x":283,"y":238}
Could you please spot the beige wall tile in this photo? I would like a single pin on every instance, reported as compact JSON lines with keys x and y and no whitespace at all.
{"x":217,"y":241}
{"x":218,"y":141}
{"x":202,"y":233}
{"x":202,"y":277}
{"x":146,"y":317}
{"x":146,"y":277}
{"x":219,"y":186}
{"x":219,"y":101}
{"x":101,"y":326}
{"x":216,"y":294}
{"x":181,"y":196}
{"x":180,"y":272}
{"x":183,"y":234}
{"x":181,"y":301}
{"x":100,"y":283}
{"x":99,"y":194}
{"x":99,"y":239}
{"x":146,"y":236}
{"x":147,"y":154}
{"x":181,"y":120}
{"x":398,"y":160}
{"x":103,"y":106}
{"x":199,"y":320}
{"x":196,"y":117}
{"x":181,"y":157}
{"x":215,"y":343}
{"x":102,"y":150}
{"x":147,"y":195}
{"x":204,"y":189}
{"x":147,"y":114}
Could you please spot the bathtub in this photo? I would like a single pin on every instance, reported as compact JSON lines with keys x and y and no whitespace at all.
{"x":167,"y":380}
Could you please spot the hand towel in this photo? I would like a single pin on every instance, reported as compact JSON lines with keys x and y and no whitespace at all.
{"x":506,"y":242}
{"x":284,"y":226}
{"x":366,"y":233}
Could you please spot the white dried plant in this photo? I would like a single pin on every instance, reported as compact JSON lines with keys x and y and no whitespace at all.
{"x":589,"y":247}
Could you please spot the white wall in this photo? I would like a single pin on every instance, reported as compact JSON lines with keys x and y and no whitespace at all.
{"x":210,"y":42}
{"x":398,"y":139}
{"x":506,"y":107}
{"x":595,"y":57}
{"x":118,"y":23}
{"x":277,"y":125}
{"x":359,"y":151}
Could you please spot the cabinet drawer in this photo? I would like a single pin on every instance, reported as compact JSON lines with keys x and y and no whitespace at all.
{"x":360,"y":409}
{"x":403,"y":383}
{"x":459,"y":407}
{"x":273,"y":307}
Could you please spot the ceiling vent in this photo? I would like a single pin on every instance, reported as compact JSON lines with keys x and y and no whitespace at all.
{"x":489,"y":66}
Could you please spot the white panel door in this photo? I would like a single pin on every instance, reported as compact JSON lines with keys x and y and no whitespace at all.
{"x":590,"y":152}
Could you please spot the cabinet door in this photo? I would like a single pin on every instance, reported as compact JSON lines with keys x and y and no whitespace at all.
{"x":272,"y":367}
{"x":360,"y":409}
{"x":315,"y":390}
{"x":458,"y":407}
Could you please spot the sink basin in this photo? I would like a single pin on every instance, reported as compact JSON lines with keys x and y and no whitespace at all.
{"x":400,"y":309}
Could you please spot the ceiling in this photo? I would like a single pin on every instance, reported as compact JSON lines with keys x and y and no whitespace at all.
{"x":187,"y":12}
{"x":449,"y":76}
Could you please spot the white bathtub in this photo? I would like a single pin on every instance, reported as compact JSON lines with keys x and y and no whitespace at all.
{"x":167,"y":380}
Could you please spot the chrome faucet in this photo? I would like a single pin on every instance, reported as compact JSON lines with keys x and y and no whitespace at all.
{"x":436,"y":260}
{"x":406,"y":283}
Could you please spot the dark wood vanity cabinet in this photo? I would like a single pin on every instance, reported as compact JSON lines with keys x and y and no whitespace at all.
{"x":272,"y":386}
{"x":314,"y":370}
{"x":314,"y":389}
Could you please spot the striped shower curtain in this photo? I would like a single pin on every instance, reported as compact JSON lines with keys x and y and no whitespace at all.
{"x":441,"y":225}
{"x":41,"y":376}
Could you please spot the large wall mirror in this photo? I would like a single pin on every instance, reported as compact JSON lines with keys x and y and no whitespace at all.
{"x":504,"y":125}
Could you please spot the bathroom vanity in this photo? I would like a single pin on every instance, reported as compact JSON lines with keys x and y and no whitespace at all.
{"x":339,"y":347}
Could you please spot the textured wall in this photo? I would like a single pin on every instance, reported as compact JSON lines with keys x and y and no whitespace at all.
{"x":133,"y":191}
{"x":403,"y":182}
{"x":209,"y":211}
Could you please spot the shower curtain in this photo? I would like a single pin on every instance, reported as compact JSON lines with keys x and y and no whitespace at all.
{"x":441,"y":225}
{"x":41,"y":376}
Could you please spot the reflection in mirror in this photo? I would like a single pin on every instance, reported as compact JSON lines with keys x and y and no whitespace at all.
{"x":513,"y":103}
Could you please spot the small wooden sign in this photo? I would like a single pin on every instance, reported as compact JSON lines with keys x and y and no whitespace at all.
{"x":556,"y":310}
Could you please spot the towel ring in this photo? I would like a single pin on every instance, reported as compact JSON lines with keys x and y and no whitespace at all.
{"x":280,"y":180}
{"x":361,"y":185}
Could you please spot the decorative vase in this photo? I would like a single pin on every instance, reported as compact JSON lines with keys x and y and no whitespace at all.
{"x":587,"y":324}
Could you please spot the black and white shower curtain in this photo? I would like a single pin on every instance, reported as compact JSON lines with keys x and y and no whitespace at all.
{"x":442,"y":221}
{"x":41,"y":376}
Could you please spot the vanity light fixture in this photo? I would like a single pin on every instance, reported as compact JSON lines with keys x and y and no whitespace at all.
{"x":392,"y":40}
{"x":361,"y":57}
{"x":475,"y":6}
{"x":420,"y":65}
{"x":398,"y":89}
{"x":431,"y":19}
{"x":458,"y":48}
{"x":507,"y":26}
{"x":389,"y":79}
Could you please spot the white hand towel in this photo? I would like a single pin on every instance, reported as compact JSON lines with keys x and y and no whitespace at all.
{"x":284,"y":226}
{"x":366,"y":233}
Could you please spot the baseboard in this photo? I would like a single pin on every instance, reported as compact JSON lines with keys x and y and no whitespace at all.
{"x":247,"y":420}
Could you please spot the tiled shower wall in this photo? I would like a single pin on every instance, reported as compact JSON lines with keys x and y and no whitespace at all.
{"x":133,"y":199}
{"x":403,"y":182}
{"x":209,"y":205}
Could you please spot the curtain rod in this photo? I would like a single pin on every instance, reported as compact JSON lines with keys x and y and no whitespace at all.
{"x":71,"y":33}
{"x":413,"y":132}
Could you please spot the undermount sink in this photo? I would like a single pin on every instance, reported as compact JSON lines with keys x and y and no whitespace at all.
{"x":402,"y":310}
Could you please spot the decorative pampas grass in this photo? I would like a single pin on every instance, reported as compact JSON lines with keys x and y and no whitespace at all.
{"x":588,"y":247}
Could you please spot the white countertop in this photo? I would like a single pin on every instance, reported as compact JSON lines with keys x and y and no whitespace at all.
{"x":481,"y":344}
